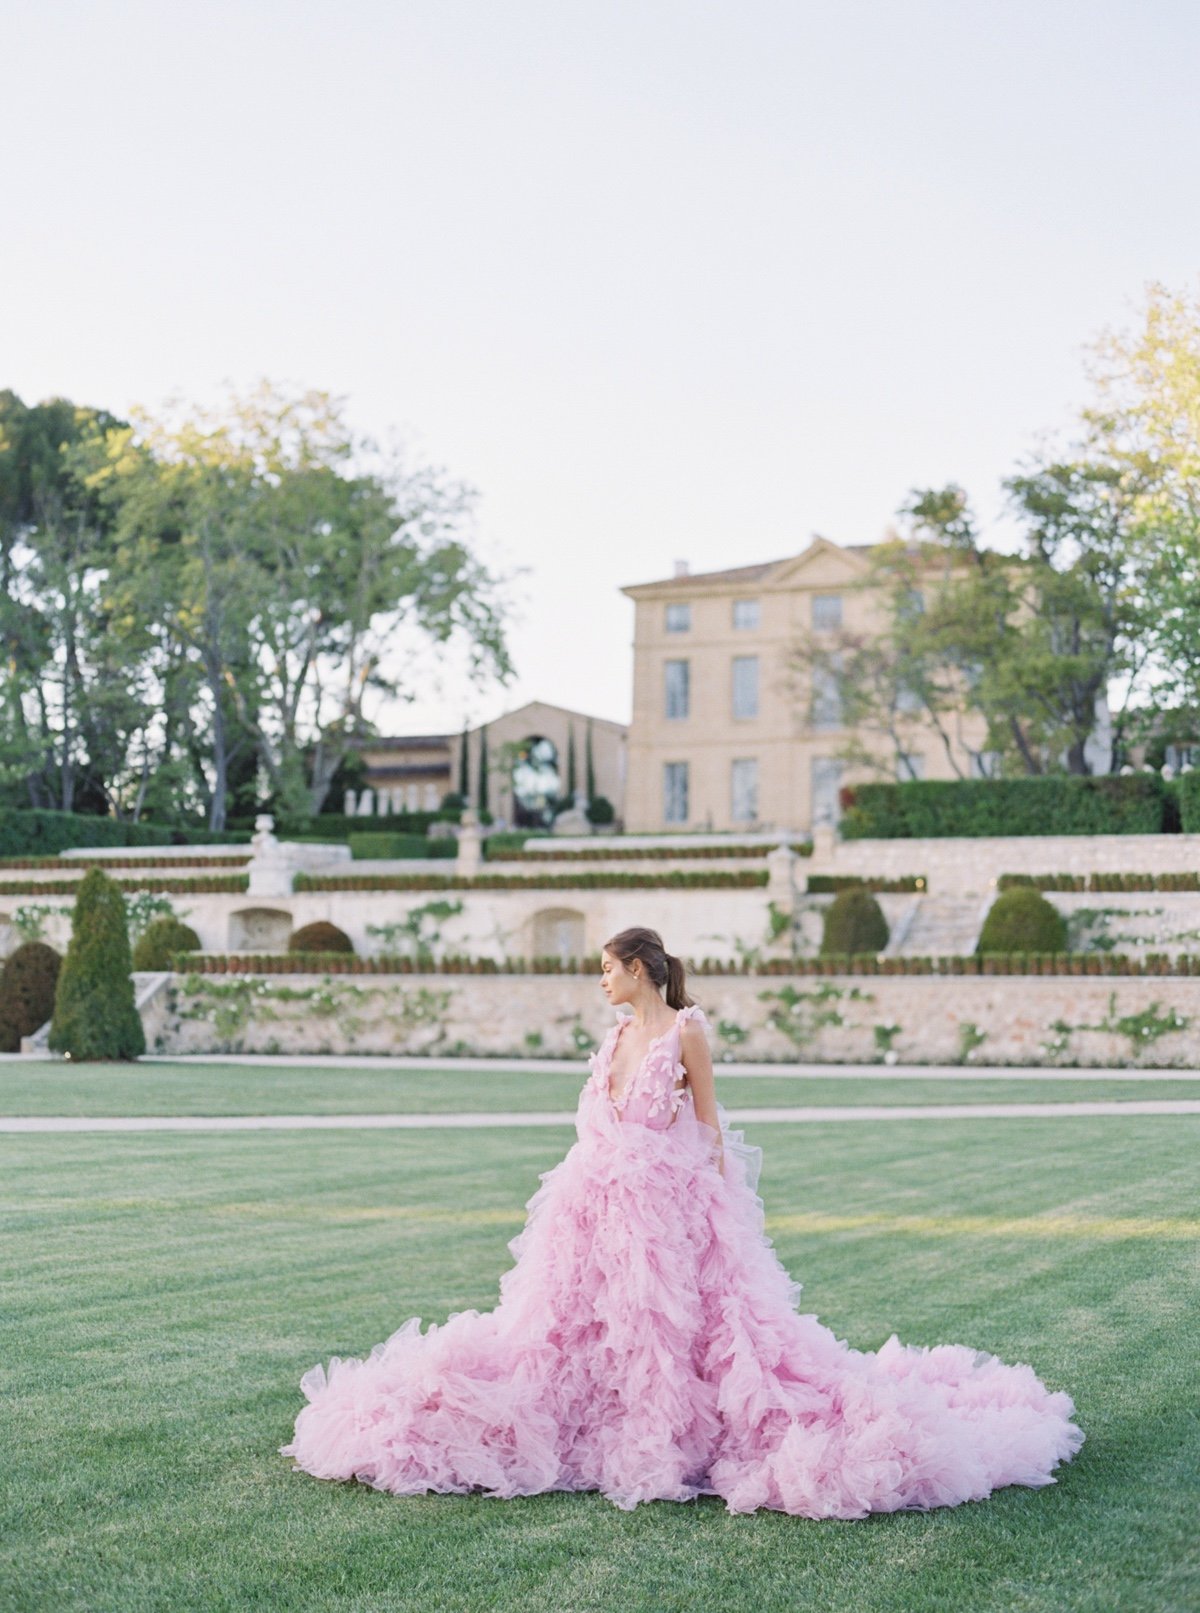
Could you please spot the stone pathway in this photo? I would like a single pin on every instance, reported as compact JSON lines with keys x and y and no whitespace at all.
{"x":743,"y":1117}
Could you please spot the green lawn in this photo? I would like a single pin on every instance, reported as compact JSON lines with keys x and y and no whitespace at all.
{"x":161,"y":1295}
{"x":223,"y":1089}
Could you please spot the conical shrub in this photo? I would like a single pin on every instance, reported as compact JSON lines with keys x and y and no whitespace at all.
{"x":94,"y":1012}
{"x":854,"y":923}
{"x":1022,"y":920}
{"x":27,"y":984}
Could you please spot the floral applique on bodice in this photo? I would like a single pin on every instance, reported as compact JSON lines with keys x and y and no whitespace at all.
{"x":653,"y":1095}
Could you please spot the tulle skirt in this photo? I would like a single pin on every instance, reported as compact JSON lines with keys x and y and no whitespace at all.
{"x":648,"y":1344}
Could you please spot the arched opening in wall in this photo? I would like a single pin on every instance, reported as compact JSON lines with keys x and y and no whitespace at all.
{"x":536,"y":782}
{"x":259,"y":929}
{"x":557,"y":932}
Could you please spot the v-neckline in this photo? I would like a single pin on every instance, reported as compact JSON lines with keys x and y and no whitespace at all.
{"x":641,"y":1064}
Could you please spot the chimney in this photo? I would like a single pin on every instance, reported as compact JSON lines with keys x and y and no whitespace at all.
{"x":681,"y":568}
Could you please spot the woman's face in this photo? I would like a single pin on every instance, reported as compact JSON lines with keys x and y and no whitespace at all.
{"x":618,"y":982}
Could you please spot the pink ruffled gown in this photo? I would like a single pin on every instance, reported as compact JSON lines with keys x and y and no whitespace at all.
{"x":647,"y":1345}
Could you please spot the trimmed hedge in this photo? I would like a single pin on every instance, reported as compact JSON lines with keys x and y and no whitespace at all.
{"x":854,"y":923}
{"x":94,"y":1012}
{"x":1022,"y":920}
{"x":34,"y":833}
{"x":1142,"y":803}
{"x":27,"y":984}
{"x":363,"y":846}
{"x":200,"y":885}
{"x":1050,"y":964}
{"x":1112,"y":883}
{"x":714,"y":879}
{"x":1187,"y":793}
{"x":320,"y":936}
{"x":68,"y":864}
{"x":161,"y":940}
{"x":337,"y":826}
{"x":613,"y":851}
{"x":831,"y":884}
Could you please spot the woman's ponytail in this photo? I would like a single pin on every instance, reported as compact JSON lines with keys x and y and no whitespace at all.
{"x":675,"y":993}
{"x":665,"y":971}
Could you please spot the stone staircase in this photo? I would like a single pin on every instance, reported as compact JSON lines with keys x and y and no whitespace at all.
{"x":941,"y":927}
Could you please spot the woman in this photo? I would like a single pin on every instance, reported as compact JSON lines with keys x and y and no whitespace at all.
{"x":647,"y":1344}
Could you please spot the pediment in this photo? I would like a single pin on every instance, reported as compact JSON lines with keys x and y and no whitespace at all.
{"x":824,"y":564}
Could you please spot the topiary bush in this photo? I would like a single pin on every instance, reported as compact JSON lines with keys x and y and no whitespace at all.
{"x":1022,"y":920}
{"x":95,"y":1016}
{"x":854,"y":922}
{"x":319,"y":937}
{"x":27,"y":984}
{"x":162,"y":938}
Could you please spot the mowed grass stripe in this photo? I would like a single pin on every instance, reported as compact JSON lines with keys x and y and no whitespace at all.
{"x":150,"y":1359}
{"x":57,"y":1089}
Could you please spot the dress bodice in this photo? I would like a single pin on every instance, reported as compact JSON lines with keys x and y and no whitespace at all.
{"x":653,"y":1095}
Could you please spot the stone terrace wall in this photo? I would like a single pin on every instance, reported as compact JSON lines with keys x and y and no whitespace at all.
{"x":919,"y":1019}
{"x":969,"y":867}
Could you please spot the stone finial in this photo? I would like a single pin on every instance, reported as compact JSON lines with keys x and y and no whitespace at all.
{"x":470,"y":845}
{"x":271,"y":869}
{"x":781,"y":878}
{"x":824,"y":839}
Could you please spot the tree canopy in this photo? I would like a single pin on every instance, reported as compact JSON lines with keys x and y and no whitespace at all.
{"x":203,"y":610}
{"x":1086,"y":636}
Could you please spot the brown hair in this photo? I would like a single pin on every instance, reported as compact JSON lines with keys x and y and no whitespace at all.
{"x":663,"y":969}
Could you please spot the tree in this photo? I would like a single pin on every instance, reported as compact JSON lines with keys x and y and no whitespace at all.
{"x":483,"y":770}
{"x":302,"y":569}
{"x":571,"y":769}
{"x":70,"y":705}
{"x":1031,"y":641}
{"x":1146,"y":422}
{"x":464,"y":765}
{"x":94,"y":1012}
{"x":589,"y":765}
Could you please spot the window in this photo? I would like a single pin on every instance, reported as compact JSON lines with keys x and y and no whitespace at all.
{"x":826,"y":612}
{"x":910,"y":765}
{"x":747,"y":616}
{"x":826,"y":696}
{"x":745,"y":686}
{"x":910,"y":605}
{"x":908,"y":699}
{"x":675,"y":792}
{"x":678,"y":689}
{"x":826,"y":790}
{"x":744,"y":790}
{"x":985,"y":764}
{"x":679,"y":618}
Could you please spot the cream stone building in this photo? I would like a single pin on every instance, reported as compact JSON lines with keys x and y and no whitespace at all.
{"x":724,"y":733}
{"x":528,"y":753}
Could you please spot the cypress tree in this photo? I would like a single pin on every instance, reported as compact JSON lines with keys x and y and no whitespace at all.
{"x":94,"y":1012}
{"x":483,"y":769}
{"x":589,"y":765}
{"x":464,"y":766}
{"x":571,"y":763}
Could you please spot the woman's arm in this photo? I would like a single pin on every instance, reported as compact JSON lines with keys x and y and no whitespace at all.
{"x":697,"y":1061}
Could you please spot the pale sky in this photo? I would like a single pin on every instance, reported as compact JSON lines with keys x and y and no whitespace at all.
{"x":663,"y":280}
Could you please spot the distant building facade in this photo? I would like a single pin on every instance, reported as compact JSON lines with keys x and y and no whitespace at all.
{"x":724,"y":734}
{"x":528,"y":765}
{"x":529,"y":753}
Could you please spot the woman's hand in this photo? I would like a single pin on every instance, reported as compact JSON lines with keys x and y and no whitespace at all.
{"x":697,"y":1061}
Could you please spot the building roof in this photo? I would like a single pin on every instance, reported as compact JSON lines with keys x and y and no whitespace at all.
{"x":738,"y":576}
